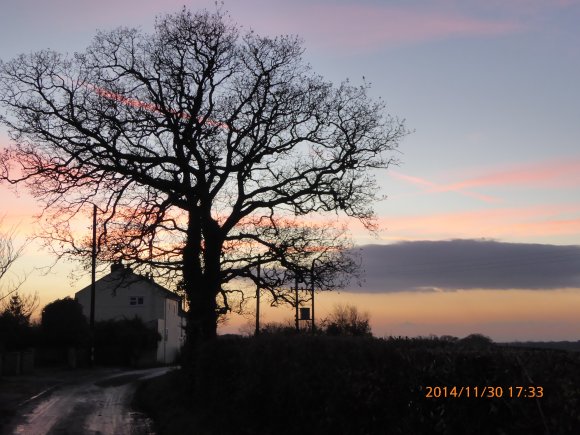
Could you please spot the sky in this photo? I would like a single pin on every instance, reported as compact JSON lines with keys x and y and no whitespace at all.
{"x":480,"y":231}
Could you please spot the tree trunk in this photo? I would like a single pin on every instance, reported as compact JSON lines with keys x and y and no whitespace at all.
{"x":201,"y":281}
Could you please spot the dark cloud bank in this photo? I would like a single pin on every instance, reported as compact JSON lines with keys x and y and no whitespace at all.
{"x":467,"y":264}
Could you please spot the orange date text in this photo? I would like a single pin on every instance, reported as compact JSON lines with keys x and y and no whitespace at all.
{"x":484,"y":392}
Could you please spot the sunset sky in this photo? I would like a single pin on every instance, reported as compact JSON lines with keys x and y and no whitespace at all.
{"x":481,"y":228}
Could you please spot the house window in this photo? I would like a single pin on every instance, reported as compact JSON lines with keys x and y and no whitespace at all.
{"x":136,"y":300}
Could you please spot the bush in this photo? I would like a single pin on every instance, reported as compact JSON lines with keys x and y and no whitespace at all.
{"x":274,"y":328}
{"x":476,"y":341}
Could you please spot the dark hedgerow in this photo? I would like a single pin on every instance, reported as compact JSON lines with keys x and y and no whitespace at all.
{"x":286,"y":385}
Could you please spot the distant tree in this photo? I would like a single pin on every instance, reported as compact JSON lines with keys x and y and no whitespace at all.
{"x":204,"y":149}
{"x":347,"y":320}
{"x":63,"y":323}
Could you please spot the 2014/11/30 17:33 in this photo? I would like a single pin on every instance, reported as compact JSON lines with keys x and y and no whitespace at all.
{"x":485,"y":392}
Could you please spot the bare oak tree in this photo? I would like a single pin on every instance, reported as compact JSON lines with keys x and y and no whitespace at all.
{"x":204,"y":149}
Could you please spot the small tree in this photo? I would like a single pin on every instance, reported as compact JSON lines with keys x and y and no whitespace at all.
{"x":347,"y":320}
{"x":15,"y":328}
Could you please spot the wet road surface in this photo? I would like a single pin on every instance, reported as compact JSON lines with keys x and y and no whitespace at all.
{"x":99,"y":404}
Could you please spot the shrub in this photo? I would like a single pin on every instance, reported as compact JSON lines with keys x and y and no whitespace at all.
{"x":346,"y":320}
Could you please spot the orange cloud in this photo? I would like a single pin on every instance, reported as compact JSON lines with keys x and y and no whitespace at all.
{"x":531,"y":223}
{"x":523,"y":222}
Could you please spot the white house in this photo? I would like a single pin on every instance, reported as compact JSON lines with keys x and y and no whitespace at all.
{"x":125,"y":294}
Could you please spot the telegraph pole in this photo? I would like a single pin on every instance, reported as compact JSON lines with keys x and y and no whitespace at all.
{"x":93,"y":274}
{"x":296,"y":289}
{"x":258,"y":300}
{"x":312,"y":327}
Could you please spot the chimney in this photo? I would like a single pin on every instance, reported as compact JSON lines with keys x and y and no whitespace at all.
{"x":116,"y":266}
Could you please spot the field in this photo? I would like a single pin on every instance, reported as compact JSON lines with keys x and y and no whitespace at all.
{"x":346,"y":385}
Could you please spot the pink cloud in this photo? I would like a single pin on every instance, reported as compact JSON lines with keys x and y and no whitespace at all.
{"x":391,"y":25}
{"x":366,"y":26}
{"x":433,"y":187}
{"x":555,"y":173}
{"x":84,"y":17}
{"x":546,"y":174}
{"x":537,"y":3}
{"x":338,"y":26}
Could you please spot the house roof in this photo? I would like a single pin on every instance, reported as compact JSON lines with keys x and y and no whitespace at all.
{"x":122,"y":277}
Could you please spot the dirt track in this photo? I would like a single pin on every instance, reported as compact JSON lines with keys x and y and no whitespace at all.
{"x":99,"y":404}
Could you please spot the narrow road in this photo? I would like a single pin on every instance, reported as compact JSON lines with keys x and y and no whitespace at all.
{"x":97,"y":405}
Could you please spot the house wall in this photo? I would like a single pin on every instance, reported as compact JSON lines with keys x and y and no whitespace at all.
{"x":113,"y":301}
{"x":170,"y":326}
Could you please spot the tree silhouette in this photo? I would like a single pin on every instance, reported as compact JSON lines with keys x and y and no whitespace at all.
{"x":15,"y":312}
{"x":63,"y":323}
{"x":203,"y":147}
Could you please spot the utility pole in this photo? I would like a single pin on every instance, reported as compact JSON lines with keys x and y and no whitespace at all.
{"x":312,"y":327}
{"x":93,"y":275}
{"x":296,"y":289}
{"x":258,"y":300}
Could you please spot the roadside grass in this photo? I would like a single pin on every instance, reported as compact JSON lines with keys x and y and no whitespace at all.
{"x":165,"y":399}
{"x":322,"y":385}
